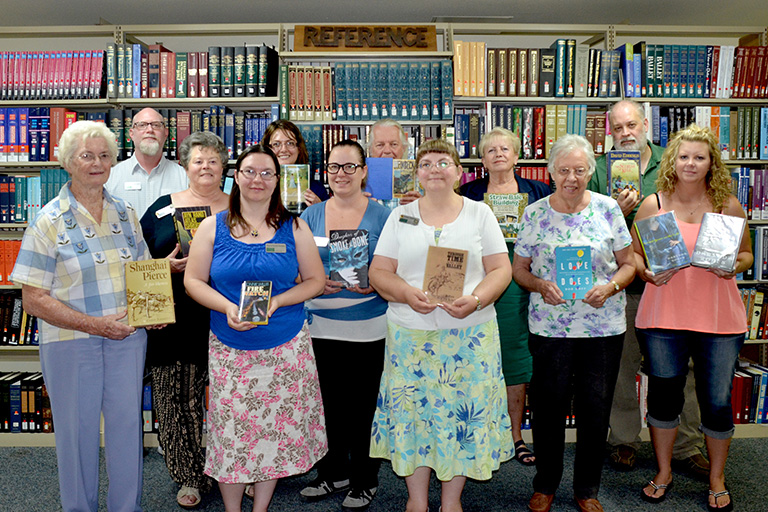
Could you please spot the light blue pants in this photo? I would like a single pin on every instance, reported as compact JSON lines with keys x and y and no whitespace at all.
{"x":86,"y":378}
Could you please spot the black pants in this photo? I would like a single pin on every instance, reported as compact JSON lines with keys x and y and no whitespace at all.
{"x":349,"y":374}
{"x":585,"y":368}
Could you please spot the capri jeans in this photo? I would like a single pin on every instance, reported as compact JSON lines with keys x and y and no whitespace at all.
{"x":714,"y":361}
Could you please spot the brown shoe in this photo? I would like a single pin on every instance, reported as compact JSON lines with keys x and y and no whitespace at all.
{"x":588,"y":504}
{"x":623,"y":457}
{"x":696,"y":466}
{"x":541,"y":502}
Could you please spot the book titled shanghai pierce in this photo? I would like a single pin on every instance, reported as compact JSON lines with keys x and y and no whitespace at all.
{"x":574,"y":271}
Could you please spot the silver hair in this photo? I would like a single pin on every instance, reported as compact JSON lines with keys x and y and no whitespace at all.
{"x":72,"y":137}
{"x":202,"y":140}
{"x":383,"y":123}
{"x":565,"y":146}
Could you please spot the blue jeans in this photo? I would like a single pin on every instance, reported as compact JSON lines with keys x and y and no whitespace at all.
{"x":714,"y":361}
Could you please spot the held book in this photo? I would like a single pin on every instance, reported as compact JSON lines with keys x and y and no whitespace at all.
{"x":254,"y":302}
{"x":294,"y":180}
{"x":186,"y":220}
{"x":623,"y":169}
{"x":574,"y":271}
{"x":149,"y":293}
{"x":348,"y":258}
{"x":508,"y":210}
{"x":444,"y":274}
{"x":403,"y":177}
{"x":718,"y":242}
{"x":662,"y":242}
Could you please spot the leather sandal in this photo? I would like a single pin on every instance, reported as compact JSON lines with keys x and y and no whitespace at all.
{"x":186,"y":491}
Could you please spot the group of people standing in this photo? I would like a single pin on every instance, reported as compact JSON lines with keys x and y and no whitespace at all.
{"x":342,"y":377}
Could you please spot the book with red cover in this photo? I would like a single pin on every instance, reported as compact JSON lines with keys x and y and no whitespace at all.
{"x":202,"y":74}
{"x":192,"y":81}
{"x":153,"y":78}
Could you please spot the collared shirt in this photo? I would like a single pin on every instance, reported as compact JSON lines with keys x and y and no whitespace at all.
{"x":131,"y":182}
{"x":80,"y":262}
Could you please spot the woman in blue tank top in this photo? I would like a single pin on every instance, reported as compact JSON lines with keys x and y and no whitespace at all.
{"x":264,"y":392}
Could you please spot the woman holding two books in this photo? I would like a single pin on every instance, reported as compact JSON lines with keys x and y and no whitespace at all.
{"x":442,"y":402}
{"x":177,"y":355}
{"x":691,"y":312}
{"x":575,"y":342}
{"x":265,"y":416}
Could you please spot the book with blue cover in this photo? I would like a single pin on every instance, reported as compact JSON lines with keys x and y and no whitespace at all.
{"x":662,"y":242}
{"x":574,"y":271}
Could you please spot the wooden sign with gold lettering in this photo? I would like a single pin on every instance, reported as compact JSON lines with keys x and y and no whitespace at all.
{"x":364,"y":38}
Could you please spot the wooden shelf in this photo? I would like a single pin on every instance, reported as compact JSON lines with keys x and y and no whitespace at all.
{"x":254,"y":101}
{"x":470,"y":100}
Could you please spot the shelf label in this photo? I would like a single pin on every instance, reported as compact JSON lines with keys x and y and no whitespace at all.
{"x":364,"y":38}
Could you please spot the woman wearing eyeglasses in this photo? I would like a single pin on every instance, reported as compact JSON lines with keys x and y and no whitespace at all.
{"x":575,"y":343}
{"x":442,"y":402}
{"x":285,"y":140}
{"x":264,"y":393}
{"x":348,"y":327}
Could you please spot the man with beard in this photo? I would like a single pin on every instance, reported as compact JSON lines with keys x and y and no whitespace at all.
{"x":629,"y":127}
{"x":147,"y":175}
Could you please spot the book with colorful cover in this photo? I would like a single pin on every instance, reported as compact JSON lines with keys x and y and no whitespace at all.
{"x":294,"y":180}
{"x":662,"y":242}
{"x":254,"y":302}
{"x":718,"y":242}
{"x":444,"y":274}
{"x":623,"y":169}
{"x":348,"y":258}
{"x":574,"y":271}
{"x":508,"y":210}
{"x":149,"y":296}
{"x":403,"y":177}
{"x":186,"y":220}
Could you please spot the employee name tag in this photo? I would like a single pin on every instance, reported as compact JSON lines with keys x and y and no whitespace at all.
{"x":321,"y":241}
{"x":168,"y":210}
{"x":413,"y":221}
{"x":275,"y":248}
{"x":132,"y":185}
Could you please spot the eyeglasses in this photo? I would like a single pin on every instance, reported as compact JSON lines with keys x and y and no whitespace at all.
{"x":440,"y":166}
{"x":90,"y":157}
{"x":250,"y":174}
{"x":142,"y":125}
{"x":289,"y":144}
{"x":580,"y":172}
{"x":347,"y":168}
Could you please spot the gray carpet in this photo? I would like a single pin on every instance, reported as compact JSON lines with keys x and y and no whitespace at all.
{"x":28,"y":483}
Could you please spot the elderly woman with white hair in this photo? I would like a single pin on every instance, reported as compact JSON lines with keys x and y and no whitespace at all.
{"x":575,"y":343}
{"x":71,"y":268}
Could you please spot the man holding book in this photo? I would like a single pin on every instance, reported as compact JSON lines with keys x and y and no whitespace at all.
{"x":147,"y":175}
{"x":387,"y":139}
{"x":629,"y":128}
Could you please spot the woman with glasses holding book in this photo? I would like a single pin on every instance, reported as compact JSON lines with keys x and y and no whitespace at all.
{"x":264,"y":393}
{"x":691,"y":312}
{"x":348,"y":326}
{"x":177,"y":355}
{"x":574,"y":255}
{"x":442,"y":404}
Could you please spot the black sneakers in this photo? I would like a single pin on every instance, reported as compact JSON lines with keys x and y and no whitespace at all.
{"x":320,"y":489}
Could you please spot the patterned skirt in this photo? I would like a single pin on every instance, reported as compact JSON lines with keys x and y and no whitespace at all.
{"x":265,"y":413}
{"x":442,"y":402}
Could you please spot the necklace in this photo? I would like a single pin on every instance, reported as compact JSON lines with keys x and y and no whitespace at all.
{"x":255,"y":232}
{"x":697,"y":206}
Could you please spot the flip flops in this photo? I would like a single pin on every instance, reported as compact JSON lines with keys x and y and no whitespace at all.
{"x":652,"y":498}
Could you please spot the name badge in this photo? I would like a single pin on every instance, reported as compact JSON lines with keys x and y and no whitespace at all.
{"x":132,"y":185}
{"x":275,"y":248}
{"x":321,"y":241}
{"x":406,"y":219}
{"x":163,"y":212}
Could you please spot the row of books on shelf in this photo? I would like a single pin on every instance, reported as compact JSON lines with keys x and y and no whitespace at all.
{"x":18,"y":328}
{"x":759,"y":269}
{"x":21,"y":196}
{"x":24,"y":403}
{"x":49,"y":75}
{"x":529,"y":172}
{"x":750,"y":186}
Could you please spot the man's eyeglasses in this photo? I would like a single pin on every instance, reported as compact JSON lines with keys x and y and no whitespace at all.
{"x":142,"y":125}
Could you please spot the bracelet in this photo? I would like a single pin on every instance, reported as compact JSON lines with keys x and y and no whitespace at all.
{"x":479,"y":304}
{"x":616,"y":286}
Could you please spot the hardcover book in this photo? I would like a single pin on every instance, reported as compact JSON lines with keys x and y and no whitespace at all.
{"x":508,"y":209}
{"x":254,"y":302}
{"x":149,"y":293}
{"x":294,"y":180}
{"x":662,"y":242}
{"x":623,"y":169}
{"x":444,"y":274}
{"x":348,"y":258}
{"x":574,"y":271}
{"x":718,"y":242}
{"x":186,"y":220}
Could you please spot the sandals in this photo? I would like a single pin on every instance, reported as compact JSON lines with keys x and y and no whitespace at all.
{"x":523,"y":455}
{"x":249,"y":490}
{"x":185,"y":492}
{"x":652,"y":498}
{"x":716,"y":495}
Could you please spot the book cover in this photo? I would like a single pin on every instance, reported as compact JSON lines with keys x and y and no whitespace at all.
{"x":348,"y":257}
{"x":149,"y":293}
{"x":186,"y":220}
{"x":623,"y":169}
{"x":403,"y":177}
{"x":294,"y":180}
{"x":574,"y":271}
{"x":444,"y":274}
{"x":508,"y":209}
{"x":254,"y":302}
{"x":380,"y":177}
{"x":662,"y":242}
{"x":718,"y":242}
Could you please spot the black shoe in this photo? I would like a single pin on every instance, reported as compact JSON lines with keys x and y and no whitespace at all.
{"x":320,"y":489}
{"x":358,"y":499}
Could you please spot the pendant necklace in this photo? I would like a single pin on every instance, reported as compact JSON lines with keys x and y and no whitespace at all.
{"x":255,"y":232}
{"x":697,"y":206}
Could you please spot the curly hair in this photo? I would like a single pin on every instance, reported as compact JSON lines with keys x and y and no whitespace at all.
{"x":718,"y":179}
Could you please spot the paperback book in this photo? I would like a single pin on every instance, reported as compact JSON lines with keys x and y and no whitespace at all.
{"x":508,"y":209}
{"x":662,"y":242}
{"x":348,"y":258}
{"x":574,"y":271}
{"x":623,"y":169}
{"x":444,"y":274}
{"x":403,"y":177}
{"x":294,"y":180}
{"x":186,"y":220}
{"x":149,"y":296}
{"x":254,"y":302}
{"x":718,"y":242}
{"x":380,"y":178}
